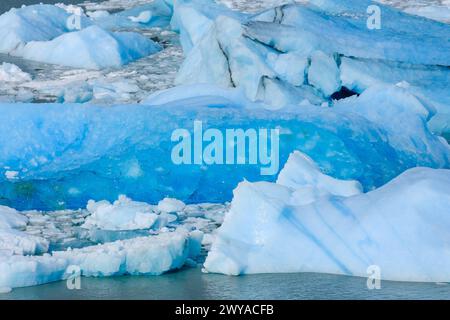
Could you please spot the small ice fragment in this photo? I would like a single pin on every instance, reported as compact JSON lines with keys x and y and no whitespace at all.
{"x":171,"y":205}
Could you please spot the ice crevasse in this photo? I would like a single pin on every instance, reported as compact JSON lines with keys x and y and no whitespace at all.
{"x":310,"y":222}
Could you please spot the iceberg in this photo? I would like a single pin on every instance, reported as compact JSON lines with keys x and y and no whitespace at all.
{"x":123,"y":214}
{"x":33,"y":23}
{"x":301,"y":224}
{"x":12,"y":73}
{"x":66,"y":154}
{"x":158,"y":13}
{"x":13,"y":241}
{"x":91,"y":48}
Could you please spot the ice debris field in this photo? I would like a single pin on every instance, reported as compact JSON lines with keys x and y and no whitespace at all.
{"x":87,"y":110}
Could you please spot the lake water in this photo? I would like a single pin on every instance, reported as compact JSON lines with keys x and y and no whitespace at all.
{"x":193,"y":284}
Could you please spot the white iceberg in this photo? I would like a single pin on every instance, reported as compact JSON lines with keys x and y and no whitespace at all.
{"x":152,"y":255}
{"x":402,"y":227}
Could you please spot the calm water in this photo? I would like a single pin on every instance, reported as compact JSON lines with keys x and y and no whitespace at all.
{"x":192,"y":284}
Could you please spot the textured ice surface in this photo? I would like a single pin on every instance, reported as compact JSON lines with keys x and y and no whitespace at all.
{"x":90,"y":48}
{"x":43,"y":33}
{"x":316,"y":39}
{"x":402,"y":227}
{"x":15,"y":241}
{"x":155,"y":14}
{"x":123,"y":214}
{"x":65,"y":155}
{"x":32,"y":23}
{"x":433,"y":9}
{"x":144,"y":255}
{"x":12,"y":73}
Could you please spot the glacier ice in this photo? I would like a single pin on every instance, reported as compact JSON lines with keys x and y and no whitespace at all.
{"x":249,"y":52}
{"x":171,"y":205}
{"x":43,"y":33}
{"x":311,"y":227}
{"x":12,"y":73}
{"x":152,"y":255}
{"x":13,"y":240}
{"x":32,"y":23}
{"x":123,"y":214}
{"x":90,"y":48}
{"x":157,"y":13}
{"x":67,"y":154}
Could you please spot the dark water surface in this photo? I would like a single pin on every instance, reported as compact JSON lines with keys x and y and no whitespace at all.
{"x":193,"y":284}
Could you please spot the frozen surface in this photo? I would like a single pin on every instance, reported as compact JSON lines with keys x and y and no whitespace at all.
{"x":271,"y":228}
{"x":143,"y":255}
{"x":45,"y":33}
{"x":319,"y":41}
{"x":90,"y":48}
{"x":123,"y":214}
{"x":12,"y":73}
{"x":128,"y":148}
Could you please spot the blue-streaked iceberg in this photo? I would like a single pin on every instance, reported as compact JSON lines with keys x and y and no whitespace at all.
{"x":32,"y":23}
{"x":308,"y":222}
{"x":56,"y":156}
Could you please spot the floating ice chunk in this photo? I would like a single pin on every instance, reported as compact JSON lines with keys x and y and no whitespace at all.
{"x":152,"y":255}
{"x":5,"y":290}
{"x":324,"y":73}
{"x":143,"y":17}
{"x":123,"y":214}
{"x":225,"y":56}
{"x":98,"y":14}
{"x":87,"y":147}
{"x":155,"y":14}
{"x":339,"y":235}
{"x":193,"y":19}
{"x":19,"y":243}
{"x":11,"y":218}
{"x":170,"y":205}
{"x":12,"y":73}
{"x":407,"y":119}
{"x":33,"y":23}
{"x":146,"y":255}
{"x":11,"y":175}
{"x":91,"y":48}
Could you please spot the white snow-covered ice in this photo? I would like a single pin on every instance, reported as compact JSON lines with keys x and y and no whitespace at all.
{"x":307,"y":226}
